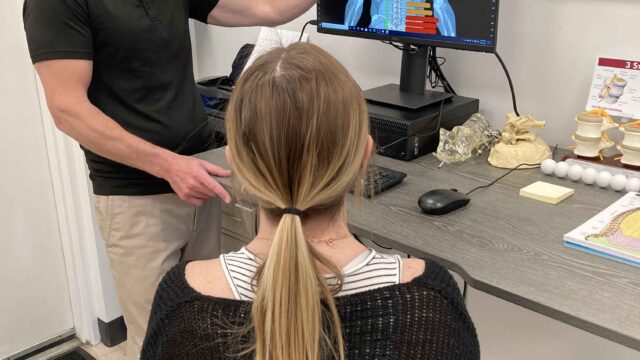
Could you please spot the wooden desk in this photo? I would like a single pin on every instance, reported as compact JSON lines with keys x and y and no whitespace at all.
{"x":506,"y":245}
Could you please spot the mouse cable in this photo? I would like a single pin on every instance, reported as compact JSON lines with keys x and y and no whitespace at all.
{"x":464,"y":292}
{"x":506,"y":71}
{"x":313,"y":22}
{"x":382,"y":148}
{"x":553,"y":155}
{"x":501,"y":177}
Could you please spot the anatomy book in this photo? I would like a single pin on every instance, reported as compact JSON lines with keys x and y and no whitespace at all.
{"x":613,"y":233}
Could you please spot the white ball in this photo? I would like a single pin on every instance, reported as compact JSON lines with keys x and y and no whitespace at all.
{"x":589,"y":176}
{"x":575,"y":172}
{"x":547,"y":166}
{"x":632,"y":184}
{"x":603,"y":179}
{"x":561,"y":169}
{"x":618,"y":182}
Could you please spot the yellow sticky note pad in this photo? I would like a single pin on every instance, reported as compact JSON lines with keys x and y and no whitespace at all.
{"x":546,"y":192}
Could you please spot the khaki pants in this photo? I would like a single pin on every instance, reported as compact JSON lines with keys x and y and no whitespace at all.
{"x":145,"y":236}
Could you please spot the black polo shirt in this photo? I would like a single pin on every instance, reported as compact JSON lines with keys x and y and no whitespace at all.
{"x":142,"y":74}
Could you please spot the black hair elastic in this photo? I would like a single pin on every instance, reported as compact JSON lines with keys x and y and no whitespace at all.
{"x":292,"y":211}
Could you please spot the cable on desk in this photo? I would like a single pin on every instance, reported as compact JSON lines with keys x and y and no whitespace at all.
{"x":553,"y":155}
{"x":464,"y":291}
{"x":500,"y":178}
{"x":310,"y":22}
{"x":513,"y":93}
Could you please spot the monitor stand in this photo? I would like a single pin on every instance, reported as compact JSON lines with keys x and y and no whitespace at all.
{"x":411,"y":93}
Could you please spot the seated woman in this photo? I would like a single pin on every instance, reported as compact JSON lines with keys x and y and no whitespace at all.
{"x":305,"y":288}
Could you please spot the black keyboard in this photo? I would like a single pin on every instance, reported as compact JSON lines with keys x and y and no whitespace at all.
{"x":383,"y":179}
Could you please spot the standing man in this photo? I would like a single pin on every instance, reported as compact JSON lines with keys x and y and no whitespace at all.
{"x":118,"y":78}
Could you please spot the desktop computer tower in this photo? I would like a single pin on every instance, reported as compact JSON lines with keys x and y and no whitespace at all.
{"x":407,"y":134}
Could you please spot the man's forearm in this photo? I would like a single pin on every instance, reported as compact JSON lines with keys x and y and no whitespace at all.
{"x":257,"y":12}
{"x":99,"y":133}
{"x":288,"y":10}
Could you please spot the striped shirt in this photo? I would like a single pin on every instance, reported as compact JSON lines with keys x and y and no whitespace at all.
{"x":369,"y":270}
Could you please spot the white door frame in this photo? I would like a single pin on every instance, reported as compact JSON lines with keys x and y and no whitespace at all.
{"x":73,"y":205}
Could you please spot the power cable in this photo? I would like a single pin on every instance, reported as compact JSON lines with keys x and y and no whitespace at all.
{"x":513,"y":93}
{"x":310,"y":22}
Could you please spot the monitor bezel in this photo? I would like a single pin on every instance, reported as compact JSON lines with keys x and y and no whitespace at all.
{"x":414,"y":41}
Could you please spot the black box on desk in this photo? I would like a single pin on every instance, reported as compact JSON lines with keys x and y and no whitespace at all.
{"x":215,"y":93}
{"x":407,"y":134}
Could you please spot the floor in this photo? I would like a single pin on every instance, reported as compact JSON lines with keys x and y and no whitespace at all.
{"x":101,"y":352}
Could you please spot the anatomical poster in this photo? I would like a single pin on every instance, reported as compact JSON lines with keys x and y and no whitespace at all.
{"x":616,"y":87}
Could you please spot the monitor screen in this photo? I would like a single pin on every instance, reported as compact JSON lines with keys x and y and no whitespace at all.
{"x":458,"y":24}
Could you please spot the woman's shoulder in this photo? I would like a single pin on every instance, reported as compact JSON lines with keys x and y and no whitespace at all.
{"x":199,"y":280}
{"x":421,"y":279}
{"x":177,"y":307}
{"x":427,"y":273}
{"x":207,"y":277}
{"x":411,"y":269}
{"x":172,"y":289}
{"x":188,"y":282}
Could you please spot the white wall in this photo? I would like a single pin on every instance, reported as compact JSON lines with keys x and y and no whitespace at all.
{"x":543,"y":42}
{"x":35,"y":304}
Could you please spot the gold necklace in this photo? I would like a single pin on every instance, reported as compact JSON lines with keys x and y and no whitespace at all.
{"x":327,"y":241}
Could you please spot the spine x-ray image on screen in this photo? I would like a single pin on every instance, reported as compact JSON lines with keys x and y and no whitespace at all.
{"x":392,"y":14}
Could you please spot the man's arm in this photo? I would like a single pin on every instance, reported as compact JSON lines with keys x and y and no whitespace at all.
{"x":66,"y":82}
{"x":257,"y":12}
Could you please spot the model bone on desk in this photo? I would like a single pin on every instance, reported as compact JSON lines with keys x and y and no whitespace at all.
{"x":503,"y":244}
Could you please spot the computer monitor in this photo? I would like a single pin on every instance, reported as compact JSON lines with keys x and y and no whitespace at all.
{"x":458,"y":24}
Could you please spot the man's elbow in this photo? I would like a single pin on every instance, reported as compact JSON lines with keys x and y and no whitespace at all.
{"x":271,"y":15}
{"x":273,"y":18}
{"x":62,"y":114}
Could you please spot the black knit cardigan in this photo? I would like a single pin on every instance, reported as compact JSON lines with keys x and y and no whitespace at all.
{"x":423,"y":319}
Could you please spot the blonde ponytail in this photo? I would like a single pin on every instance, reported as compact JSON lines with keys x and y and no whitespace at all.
{"x":297,"y":128}
{"x":288,"y":310}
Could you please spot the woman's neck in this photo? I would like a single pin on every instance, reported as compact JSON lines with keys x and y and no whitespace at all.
{"x":329,"y":235}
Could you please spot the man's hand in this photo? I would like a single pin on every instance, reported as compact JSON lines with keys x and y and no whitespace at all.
{"x":66,"y":82}
{"x":192,"y":180}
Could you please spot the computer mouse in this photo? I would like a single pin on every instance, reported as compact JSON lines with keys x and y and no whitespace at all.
{"x":442,"y":201}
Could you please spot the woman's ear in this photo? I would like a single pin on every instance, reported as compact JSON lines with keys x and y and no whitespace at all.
{"x":227,"y":155}
{"x":368,"y":151}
